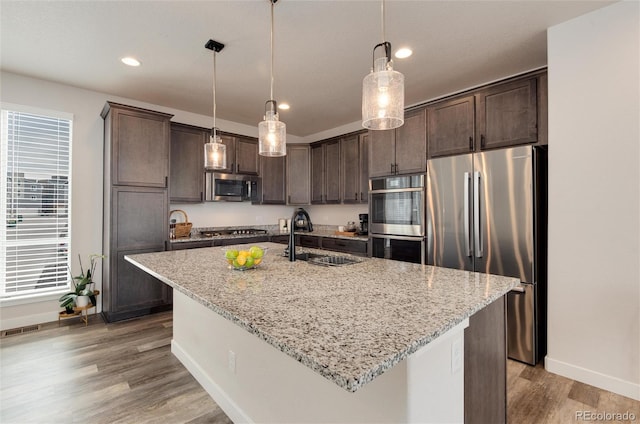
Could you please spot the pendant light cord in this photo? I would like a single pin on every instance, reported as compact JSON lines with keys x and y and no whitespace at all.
{"x":384,"y":38}
{"x":214,"y":89}
{"x":272,"y":5}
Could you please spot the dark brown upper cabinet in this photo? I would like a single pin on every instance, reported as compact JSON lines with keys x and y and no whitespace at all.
{"x":354,"y":168}
{"x":400,"y":151}
{"x":325,"y":172}
{"x":186,"y":179}
{"x":138,"y":152}
{"x":242,"y":154}
{"x":451,"y":126}
{"x":298,"y":174}
{"x":273,"y":190}
{"x":507,"y":114}
{"x":500,"y":115}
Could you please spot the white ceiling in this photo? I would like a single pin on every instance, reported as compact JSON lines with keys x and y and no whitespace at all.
{"x":322,"y":50}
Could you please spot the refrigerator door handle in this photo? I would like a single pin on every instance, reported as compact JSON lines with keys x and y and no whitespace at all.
{"x":476,"y":215}
{"x":467,"y":219}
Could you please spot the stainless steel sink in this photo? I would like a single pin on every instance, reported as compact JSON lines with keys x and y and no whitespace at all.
{"x":308,"y":256}
{"x":333,"y":260}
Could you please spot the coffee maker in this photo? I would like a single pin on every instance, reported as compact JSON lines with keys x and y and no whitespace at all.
{"x":301,"y":221}
{"x":364,"y":224}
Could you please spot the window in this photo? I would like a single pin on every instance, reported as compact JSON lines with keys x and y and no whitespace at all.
{"x":35,"y":189}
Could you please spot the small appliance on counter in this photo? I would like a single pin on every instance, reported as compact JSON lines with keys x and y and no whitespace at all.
{"x":364,"y":224}
{"x":301,"y":221}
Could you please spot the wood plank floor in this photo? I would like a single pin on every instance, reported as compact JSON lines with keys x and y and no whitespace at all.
{"x":125,"y":373}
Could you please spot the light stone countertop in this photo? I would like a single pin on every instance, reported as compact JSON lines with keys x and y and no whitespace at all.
{"x":349,"y":323}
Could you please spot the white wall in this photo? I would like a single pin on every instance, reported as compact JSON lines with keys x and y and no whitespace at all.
{"x":594,"y":196}
{"x":86,"y":207}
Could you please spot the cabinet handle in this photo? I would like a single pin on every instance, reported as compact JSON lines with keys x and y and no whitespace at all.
{"x":482,"y":141}
{"x":361,"y":197}
{"x":356,"y":198}
{"x":237,"y":167}
{"x":201,"y":196}
{"x":289,"y":201}
{"x":470,"y":143}
{"x":166,"y":181}
{"x":391,"y":168}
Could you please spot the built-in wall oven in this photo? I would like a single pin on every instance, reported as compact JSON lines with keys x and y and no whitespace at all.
{"x":397,"y":218}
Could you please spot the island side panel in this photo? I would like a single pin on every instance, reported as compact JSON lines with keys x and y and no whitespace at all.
{"x":269,"y":386}
{"x":485,"y":356}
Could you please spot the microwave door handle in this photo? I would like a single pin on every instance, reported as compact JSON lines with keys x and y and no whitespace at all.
{"x":476,"y":215}
{"x":467,"y":222}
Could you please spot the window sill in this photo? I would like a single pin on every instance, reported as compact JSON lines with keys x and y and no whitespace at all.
{"x":34,"y":298}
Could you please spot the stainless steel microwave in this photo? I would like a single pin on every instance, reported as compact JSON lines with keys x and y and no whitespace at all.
{"x":228,"y":187}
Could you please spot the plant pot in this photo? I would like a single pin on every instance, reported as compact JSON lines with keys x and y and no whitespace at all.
{"x":82,"y":301}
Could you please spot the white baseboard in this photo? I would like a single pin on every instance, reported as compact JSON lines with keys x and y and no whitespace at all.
{"x":233,"y":411}
{"x":593,"y":378}
{"x":23,"y":321}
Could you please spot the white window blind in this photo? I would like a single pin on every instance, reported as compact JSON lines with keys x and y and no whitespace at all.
{"x":35,"y":199}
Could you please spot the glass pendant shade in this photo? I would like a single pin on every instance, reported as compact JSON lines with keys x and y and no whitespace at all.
{"x":215,"y":153}
{"x":383,"y":97}
{"x":272,"y":135}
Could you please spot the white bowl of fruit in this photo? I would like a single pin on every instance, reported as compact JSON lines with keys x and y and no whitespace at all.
{"x":245,"y":259}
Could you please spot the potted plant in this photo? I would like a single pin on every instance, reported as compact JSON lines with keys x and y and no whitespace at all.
{"x":83,"y":293}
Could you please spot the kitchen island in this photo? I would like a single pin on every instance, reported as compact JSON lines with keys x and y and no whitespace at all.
{"x":385,"y":335}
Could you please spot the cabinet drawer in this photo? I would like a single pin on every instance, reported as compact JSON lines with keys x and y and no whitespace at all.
{"x":309,"y":241}
{"x":243,"y":240}
{"x":282,"y":239}
{"x":190,"y":245}
{"x":356,"y":247}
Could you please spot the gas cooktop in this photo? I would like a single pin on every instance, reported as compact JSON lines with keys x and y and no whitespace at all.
{"x":240,"y":231}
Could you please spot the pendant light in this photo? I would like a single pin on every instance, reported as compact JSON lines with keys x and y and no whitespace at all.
{"x":272,"y":133}
{"x":215,"y":152}
{"x":383,"y":91}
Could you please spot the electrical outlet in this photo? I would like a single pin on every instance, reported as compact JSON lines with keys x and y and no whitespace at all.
{"x":456,"y":356}
{"x":232,"y":361}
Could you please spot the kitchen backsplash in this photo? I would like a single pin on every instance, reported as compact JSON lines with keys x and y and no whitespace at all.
{"x":244,"y":214}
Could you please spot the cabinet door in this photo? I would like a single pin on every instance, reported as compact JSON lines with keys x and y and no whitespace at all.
{"x":139,"y":218}
{"x":135,"y":292}
{"x":332,"y":172}
{"x":507,"y":114}
{"x":382,"y":153}
{"x":140,"y":148}
{"x":451,"y":127}
{"x":411,"y":143}
{"x":298,"y":190}
{"x":355,"y":247}
{"x":186,"y":180}
{"x":272,"y":175}
{"x":190,"y":245}
{"x":350,"y":159}
{"x":317,"y":174}
{"x":246,"y":156}
{"x":364,"y":167}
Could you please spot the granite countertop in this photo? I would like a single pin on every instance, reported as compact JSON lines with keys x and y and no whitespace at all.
{"x":349,"y":324}
{"x":322,"y":231}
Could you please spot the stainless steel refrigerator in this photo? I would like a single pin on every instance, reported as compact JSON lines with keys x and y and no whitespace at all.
{"x":486,"y":212}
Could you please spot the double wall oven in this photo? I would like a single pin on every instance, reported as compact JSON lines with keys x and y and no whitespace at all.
{"x":397,"y":218}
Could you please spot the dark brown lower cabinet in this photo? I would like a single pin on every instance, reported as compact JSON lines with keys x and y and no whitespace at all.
{"x":135,"y":221}
{"x":136,"y":292}
{"x":485,"y":366}
{"x":354,"y":247}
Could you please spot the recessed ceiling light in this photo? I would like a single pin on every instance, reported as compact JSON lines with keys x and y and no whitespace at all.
{"x":403,"y":53}
{"x":283,"y":106}
{"x":131,"y":61}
